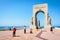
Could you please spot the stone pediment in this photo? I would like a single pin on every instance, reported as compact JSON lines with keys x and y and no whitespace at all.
{"x":40,"y":6}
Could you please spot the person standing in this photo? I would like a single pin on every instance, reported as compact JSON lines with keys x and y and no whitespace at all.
{"x":31,"y":30}
{"x":51,"y":29}
{"x":24,"y":29}
{"x":14,"y":32}
{"x":37,"y":28}
{"x":10,"y":29}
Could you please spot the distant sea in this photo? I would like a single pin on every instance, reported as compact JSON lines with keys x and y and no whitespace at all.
{"x":11,"y":27}
{"x":20,"y":27}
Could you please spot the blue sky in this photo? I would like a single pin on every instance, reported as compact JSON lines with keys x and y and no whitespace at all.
{"x":19,"y":12}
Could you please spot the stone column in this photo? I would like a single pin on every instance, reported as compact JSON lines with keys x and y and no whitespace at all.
{"x":49,"y":21}
{"x":45,"y":21}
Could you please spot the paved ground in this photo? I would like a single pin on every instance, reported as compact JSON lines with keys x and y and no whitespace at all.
{"x":48,"y":35}
{"x":36,"y":35}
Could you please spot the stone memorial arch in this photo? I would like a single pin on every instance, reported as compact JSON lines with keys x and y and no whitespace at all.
{"x":44,"y":9}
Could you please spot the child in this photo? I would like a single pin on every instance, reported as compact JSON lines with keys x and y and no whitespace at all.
{"x":51,"y":29}
{"x":31,"y":30}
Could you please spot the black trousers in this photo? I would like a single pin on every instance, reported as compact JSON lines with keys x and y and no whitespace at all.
{"x":51,"y":29}
{"x":24,"y":30}
{"x":13,"y":34}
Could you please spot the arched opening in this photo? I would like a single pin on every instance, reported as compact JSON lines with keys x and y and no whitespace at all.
{"x":39,"y":19}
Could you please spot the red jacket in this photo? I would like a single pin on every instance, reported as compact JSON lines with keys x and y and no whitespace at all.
{"x":14,"y":29}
